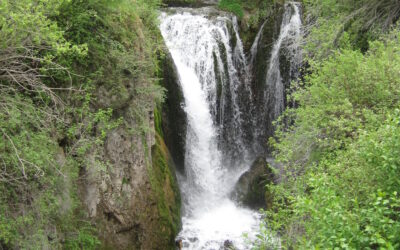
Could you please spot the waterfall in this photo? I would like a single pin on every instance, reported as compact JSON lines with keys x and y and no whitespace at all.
{"x":278,"y":45}
{"x":222,"y":120}
{"x":289,"y":40}
{"x":254,"y":47}
{"x":209,"y":58}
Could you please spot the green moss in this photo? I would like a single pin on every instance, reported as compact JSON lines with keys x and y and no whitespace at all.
{"x":233,"y":6}
{"x":164,"y":186}
{"x":157,"y":121}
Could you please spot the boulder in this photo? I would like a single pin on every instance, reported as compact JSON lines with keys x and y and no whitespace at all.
{"x":250,"y":190}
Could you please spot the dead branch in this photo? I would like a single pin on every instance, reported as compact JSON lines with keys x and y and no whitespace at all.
{"x":21,"y":161}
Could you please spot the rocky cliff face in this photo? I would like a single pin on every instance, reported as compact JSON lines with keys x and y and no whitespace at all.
{"x":129,"y":188}
{"x":131,"y":192}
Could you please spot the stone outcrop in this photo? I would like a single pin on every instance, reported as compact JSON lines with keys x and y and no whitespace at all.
{"x":129,"y":186}
{"x":132,"y":194}
{"x":250,"y":190}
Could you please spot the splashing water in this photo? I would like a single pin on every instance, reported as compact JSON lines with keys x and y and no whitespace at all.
{"x":202,"y":52}
{"x":254,"y":47}
{"x":214,"y":76}
{"x":290,"y":37}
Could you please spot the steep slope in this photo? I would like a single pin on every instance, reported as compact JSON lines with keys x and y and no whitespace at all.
{"x":82,"y":163}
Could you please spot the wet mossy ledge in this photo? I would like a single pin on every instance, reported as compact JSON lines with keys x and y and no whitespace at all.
{"x":169,"y":132}
{"x":251,"y":15}
{"x":171,"y":118}
{"x":166,"y":191}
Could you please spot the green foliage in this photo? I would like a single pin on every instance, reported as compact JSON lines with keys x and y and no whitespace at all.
{"x":37,"y":194}
{"x":17,"y":24}
{"x":329,"y":21}
{"x":67,"y":69}
{"x":233,"y":6}
{"x":123,"y":43}
{"x":341,"y":154}
{"x":84,"y":239}
{"x":345,"y":93}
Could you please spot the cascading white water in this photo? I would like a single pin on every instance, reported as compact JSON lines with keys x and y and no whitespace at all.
{"x":289,"y":36}
{"x":254,"y":47}
{"x":203,"y":55}
{"x":215,"y":79}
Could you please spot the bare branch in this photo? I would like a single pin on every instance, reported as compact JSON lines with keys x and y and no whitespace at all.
{"x":16,"y":154}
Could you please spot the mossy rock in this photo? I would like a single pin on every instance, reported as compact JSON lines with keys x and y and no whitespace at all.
{"x":172,"y":115}
{"x":250,"y":190}
{"x":115,"y":97}
{"x":166,"y":191}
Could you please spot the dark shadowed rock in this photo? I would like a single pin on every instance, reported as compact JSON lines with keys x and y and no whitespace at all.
{"x":263,"y":107}
{"x":189,"y":3}
{"x":174,"y":120}
{"x":179,"y":244}
{"x":250,"y":189}
{"x":228,"y":245}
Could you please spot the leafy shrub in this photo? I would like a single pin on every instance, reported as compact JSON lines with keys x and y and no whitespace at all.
{"x":341,"y":153}
{"x":54,"y":57}
{"x":362,"y":21}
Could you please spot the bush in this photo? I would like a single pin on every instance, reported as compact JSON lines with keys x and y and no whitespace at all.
{"x":54,"y":57}
{"x":330,"y":21}
{"x":341,"y":154}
